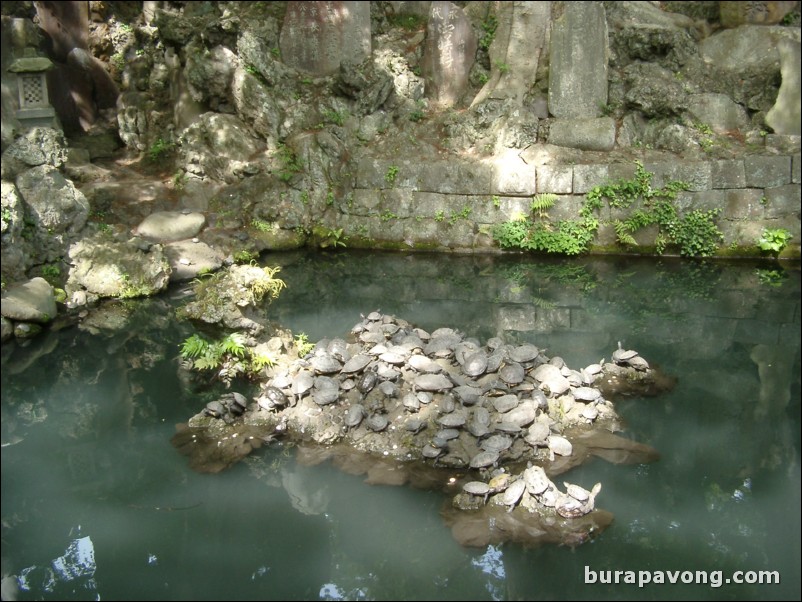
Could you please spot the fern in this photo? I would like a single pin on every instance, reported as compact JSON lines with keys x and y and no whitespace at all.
{"x":623,"y":233}
{"x":194,"y":346}
{"x":259,"y":361}
{"x":234,"y":344}
{"x":542,"y":202}
{"x":207,"y":362}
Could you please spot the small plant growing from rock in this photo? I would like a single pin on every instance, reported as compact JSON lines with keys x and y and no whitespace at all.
{"x":159,"y":149}
{"x":392,"y":173}
{"x":774,"y":240}
{"x":302,"y":344}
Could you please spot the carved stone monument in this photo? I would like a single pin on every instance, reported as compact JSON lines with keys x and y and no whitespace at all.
{"x":449,"y":53}
{"x":318,"y":36}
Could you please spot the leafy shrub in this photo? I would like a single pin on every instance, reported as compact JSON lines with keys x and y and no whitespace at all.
{"x":774,"y":240}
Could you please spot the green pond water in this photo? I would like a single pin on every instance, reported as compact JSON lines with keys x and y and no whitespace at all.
{"x":98,"y":504}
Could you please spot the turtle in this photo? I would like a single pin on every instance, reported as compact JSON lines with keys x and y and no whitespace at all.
{"x":559,"y":445}
{"x":499,"y":482}
{"x":338,"y":349}
{"x":411,"y":402}
{"x":387,"y":372}
{"x":452,"y":420}
{"x":215,"y":409}
{"x":272,"y":397}
{"x":431,"y":452}
{"x":464,"y":349}
{"x":239,"y":399}
{"x":388,"y":388}
{"x":506,"y":427}
{"x":356,"y":363}
{"x":415,"y":425}
{"x":571,"y":506}
{"x":354,"y":416}
{"x":621,"y":355}
{"x":327,"y":390}
{"x":301,"y":383}
{"x":505,"y":403}
{"x":367,"y":381}
{"x":447,"y":434}
{"x":536,"y":480}
{"x":432,"y":382}
{"x":586,"y":393}
{"x":494,"y":360}
{"x":484,"y":459}
{"x":377,"y":422}
{"x":537,"y":434}
{"x":468,"y":395}
{"x":481,"y":416}
{"x":512,"y":373}
{"x":512,"y":495}
{"x":421,"y":363}
{"x":392,"y":357}
{"x":477,"y":488}
{"x":524,"y":353}
{"x":325,"y":363}
{"x":497,"y":443}
{"x":447,"y":404}
{"x":638,"y":363}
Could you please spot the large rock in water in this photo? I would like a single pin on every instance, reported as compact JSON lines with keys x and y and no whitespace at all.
{"x":30,"y":302}
{"x":110,"y":268}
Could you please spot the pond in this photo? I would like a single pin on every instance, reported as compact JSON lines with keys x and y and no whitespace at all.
{"x":97,"y":503}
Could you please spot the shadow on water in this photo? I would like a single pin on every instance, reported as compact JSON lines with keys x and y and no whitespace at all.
{"x":97,"y":503}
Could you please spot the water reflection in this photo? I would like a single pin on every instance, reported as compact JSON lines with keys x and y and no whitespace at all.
{"x":70,"y":576}
{"x":88,"y":413}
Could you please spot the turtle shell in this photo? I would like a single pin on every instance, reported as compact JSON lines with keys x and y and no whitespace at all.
{"x":497,"y":443}
{"x":513,"y":493}
{"x":356,"y":364}
{"x":512,"y":374}
{"x":377,"y":422}
{"x":354,"y":415}
{"x":432,"y":382}
{"x":476,"y":488}
{"x":524,"y":353}
{"x":484,"y":459}
{"x":536,"y":480}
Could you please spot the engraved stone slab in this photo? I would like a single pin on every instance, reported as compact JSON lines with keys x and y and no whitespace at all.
{"x":317,"y":37}
{"x":449,"y":53}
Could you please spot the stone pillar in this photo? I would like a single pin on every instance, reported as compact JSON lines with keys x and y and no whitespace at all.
{"x":449,"y":53}
{"x":578,"y":61}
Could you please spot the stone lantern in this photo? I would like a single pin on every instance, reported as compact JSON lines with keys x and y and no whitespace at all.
{"x":35,"y":109}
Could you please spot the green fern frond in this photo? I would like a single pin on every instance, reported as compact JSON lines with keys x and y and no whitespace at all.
{"x":622,"y":232}
{"x":543,"y":201}
{"x":234,"y":344}
{"x":194,"y":346}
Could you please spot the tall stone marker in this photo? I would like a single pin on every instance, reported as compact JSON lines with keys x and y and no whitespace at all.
{"x":449,"y":53}
{"x":784,"y":116}
{"x":578,"y":61}
{"x":317,"y":37}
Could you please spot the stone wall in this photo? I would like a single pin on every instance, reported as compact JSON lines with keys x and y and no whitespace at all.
{"x":455,"y":203}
